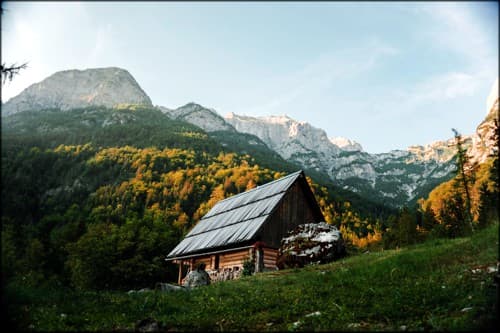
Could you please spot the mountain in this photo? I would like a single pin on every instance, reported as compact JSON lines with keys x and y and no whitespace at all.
{"x":207,"y":119}
{"x":227,"y":136}
{"x":291,"y":139}
{"x":136,"y":126}
{"x":346,"y":144}
{"x":94,"y":196}
{"x":483,"y":141}
{"x":268,"y":149}
{"x":395,"y":178}
{"x":79,"y":88}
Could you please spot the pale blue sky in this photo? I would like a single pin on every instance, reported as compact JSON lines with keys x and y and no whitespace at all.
{"x":388,"y":75}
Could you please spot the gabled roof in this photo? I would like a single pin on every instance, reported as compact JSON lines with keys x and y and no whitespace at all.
{"x":236,"y":219}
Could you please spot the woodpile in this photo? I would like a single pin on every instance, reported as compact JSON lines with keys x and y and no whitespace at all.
{"x":310,"y":243}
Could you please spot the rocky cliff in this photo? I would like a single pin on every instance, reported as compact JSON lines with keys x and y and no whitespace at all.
{"x":395,"y":178}
{"x":293,"y":140}
{"x":79,"y":88}
{"x":483,"y":141}
{"x":207,"y":119}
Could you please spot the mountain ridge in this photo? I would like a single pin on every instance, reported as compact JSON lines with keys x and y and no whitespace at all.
{"x":395,"y":178}
{"x":70,"y":89}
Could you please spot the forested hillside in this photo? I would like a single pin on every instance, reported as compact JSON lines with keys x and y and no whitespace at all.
{"x":95,"y":198}
{"x":467,"y":202}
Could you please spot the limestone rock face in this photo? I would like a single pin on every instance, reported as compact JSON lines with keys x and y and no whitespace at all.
{"x":79,"y":88}
{"x":346,"y":144}
{"x":205,"y":118}
{"x":396,"y":177}
{"x":288,"y":137}
{"x":483,"y":141}
{"x":310,"y":243}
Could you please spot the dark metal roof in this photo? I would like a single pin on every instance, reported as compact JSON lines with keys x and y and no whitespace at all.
{"x":236,"y":219}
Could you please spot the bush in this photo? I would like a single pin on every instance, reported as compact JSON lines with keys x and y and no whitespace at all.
{"x":248,"y":267}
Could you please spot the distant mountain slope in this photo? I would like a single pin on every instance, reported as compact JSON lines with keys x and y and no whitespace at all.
{"x":395,"y":178}
{"x":135,"y":126}
{"x":193,"y":113}
{"x":79,"y":88}
{"x":290,"y":138}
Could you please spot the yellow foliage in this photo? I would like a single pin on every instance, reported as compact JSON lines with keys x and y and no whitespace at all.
{"x":442,"y":193}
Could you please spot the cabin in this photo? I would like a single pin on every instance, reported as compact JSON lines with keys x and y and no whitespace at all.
{"x":247,"y":227}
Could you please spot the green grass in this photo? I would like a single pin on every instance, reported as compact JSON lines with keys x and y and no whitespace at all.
{"x":423,"y":287}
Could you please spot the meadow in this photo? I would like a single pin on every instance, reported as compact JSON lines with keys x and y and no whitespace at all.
{"x":439,"y":285}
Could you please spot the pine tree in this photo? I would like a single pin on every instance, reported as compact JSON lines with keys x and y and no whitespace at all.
{"x":428,"y":219}
{"x":407,"y":228}
{"x":453,"y":214}
{"x":462,"y":177}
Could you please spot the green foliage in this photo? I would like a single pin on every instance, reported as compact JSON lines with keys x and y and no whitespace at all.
{"x":454,"y":215}
{"x":95,"y":198}
{"x":469,"y":200}
{"x":401,"y":230}
{"x":102,"y":217}
{"x":141,"y":127}
{"x":248,"y":267}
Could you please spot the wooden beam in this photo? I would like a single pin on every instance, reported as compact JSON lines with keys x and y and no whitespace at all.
{"x":179,"y":280}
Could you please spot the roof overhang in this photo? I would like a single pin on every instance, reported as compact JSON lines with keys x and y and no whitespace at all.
{"x":194,"y":255}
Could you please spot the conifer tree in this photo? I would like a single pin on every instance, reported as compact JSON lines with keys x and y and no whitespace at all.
{"x":462,"y":177}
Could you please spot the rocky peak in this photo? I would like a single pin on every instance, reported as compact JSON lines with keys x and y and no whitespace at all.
{"x":71,"y":89}
{"x":346,"y":144}
{"x":205,"y":118}
{"x":285,"y":135}
{"x":439,"y":151}
{"x":405,"y":172}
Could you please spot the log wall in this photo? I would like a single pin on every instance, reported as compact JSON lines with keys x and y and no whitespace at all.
{"x":234,"y":259}
{"x":205,"y":259}
{"x":270,"y":257}
{"x":230,"y":264}
{"x":223,"y":260}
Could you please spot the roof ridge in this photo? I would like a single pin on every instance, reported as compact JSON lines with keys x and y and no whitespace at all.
{"x":260,"y":186}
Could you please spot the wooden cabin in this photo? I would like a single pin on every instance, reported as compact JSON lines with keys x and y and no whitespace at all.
{"x":247,"y":226}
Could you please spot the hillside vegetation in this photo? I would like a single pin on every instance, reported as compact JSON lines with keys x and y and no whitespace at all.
{"x":444,"y":285}
{"x":95,"y":198}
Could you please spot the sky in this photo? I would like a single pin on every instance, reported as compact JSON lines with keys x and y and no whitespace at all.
{"x":385,"y":74}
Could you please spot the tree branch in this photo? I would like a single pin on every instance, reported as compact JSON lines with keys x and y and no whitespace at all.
{"x":8,"y":72}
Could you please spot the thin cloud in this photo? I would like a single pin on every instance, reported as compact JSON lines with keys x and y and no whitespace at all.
{"x":458,"y":30}
{"x":318,"y":77}
{"x":103,"y":41}
{"x":455,"y":29}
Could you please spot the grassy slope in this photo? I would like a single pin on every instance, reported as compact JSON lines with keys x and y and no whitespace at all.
{"x":421,"y":287}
